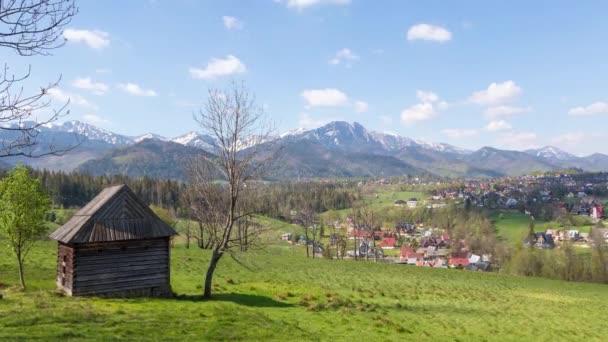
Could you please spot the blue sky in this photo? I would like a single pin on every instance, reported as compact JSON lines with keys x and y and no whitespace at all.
{"x":509,"y":74}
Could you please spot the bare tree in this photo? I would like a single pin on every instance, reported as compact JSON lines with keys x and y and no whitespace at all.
{"x":30,"y":27}
{"x":235,"y":122}
{"x":367,"y":220}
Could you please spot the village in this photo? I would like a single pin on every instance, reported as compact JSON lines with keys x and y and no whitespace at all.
{"x":567,"y":200}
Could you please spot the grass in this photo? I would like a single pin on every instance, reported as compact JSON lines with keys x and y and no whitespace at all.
{"x":281,"y":295}
{"x":513,"y":226}
{"x":383,"y":199}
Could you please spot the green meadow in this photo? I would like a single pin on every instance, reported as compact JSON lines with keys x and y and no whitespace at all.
{"x":514,"y":226}
{"x":278,"y":294}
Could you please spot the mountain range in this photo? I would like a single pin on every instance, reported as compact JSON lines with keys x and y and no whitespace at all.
{"x":337,"y":149}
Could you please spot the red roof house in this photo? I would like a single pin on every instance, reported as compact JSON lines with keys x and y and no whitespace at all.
{"x":388,"y":242}
{"x":458,"y":259}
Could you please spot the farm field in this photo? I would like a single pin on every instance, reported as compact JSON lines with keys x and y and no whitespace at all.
{"x":280,"y":295}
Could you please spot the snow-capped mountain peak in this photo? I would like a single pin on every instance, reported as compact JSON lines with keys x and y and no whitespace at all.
{"x":551,"y":152}
{"x":149,"y":136}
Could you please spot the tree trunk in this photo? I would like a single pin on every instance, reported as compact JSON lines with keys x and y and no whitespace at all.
{"x":215,"y":258}
{"x":21,"y":275}
{"x":201,"y":242}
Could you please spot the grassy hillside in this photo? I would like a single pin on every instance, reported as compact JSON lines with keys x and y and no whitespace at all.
{"x":283,"y":296}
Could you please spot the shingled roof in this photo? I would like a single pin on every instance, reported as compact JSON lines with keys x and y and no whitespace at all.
{"x":116,"y":214}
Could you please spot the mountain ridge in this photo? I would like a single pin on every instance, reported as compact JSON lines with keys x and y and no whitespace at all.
{"x":336,"y":149}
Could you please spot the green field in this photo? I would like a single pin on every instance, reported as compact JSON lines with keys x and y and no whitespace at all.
{"x":382,"y":199}
{"x":281,"y":295}
{"x":514,"y":226}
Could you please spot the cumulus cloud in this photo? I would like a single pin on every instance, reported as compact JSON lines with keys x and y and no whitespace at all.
{"x":500,"y":111}
{"x":418,"y":112}
{"x":232,"y":23}
{"x":498,"y":125}
{"x":304,"y":4}
{"x":136,"y":90}
{"x":98,"y":88}
{"x":426,"y":96}
{"x":75,"y":99}
{"x":344,"y":56}
{"x":592,"y":109}
{"x":328,"y":97}
{"x":428,"y":32}
{"x":218,"y":67}
{"x":429,"y":105}
{"x":94,"y":39}
{"x":361,"y":106}
{"x":459,"y":133}
{"x":496,"y":93}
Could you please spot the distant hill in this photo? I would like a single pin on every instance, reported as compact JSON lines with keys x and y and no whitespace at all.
{"x":148,"y":158}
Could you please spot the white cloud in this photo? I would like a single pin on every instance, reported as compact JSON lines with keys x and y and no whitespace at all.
{"x":418,"y":112}
{"x":592,"y":109}
{"x":232,"y":23}
{"x":344,"y":56}
{"x":94,"y":39}
{"x":94,"y":119}
{"x":88,"y":84}
{"x":327,"y":97}
{"x":303,"y":4}
{"x":218,"y":67}
{"x":426,"y":96}
{"x":428,"y":32}
{"x":459,"y":133}
{"x":496,"y":93}
{"x":361,"y":106}
{"x":427,"y":109}
{"x":518,"y":140}
{"x":136,"y":90}
{"x":75,"y":99}
{"x":498,"y":125}
{"x":500,"y":111}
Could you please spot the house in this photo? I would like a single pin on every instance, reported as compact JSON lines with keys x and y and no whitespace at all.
{"x":597,"y":212}
{"x":286,"y":237}
{"x":414,"y":258}
{"x":412,"y":203}
{"x":400,"y":203}
{"x":409,"y":256}
{"x":403,"y":253}
{"x":458,"y":259}
{"x":511,"y":203}
{"x":115,"y":246}
{"x":388,"y":242}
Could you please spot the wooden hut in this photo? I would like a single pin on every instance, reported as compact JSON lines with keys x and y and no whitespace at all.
{"x":115,"y":246}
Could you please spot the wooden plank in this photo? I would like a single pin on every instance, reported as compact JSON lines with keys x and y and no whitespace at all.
{"x":143,"y":280}
{"x":126,"y":273}
{"x":118,"y":268}
{"x":113,"y":258}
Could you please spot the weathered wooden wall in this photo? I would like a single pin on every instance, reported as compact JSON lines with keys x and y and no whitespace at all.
{"x":65,"y":262}
{"x":122,"y":268}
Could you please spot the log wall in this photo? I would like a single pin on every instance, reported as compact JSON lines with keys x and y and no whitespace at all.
{"x":122,"y":268}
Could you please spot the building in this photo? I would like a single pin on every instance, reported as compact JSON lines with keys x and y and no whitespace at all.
{"x":388,"y":242}
{"x":412,"y":203}
{"x":115,"y":246}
